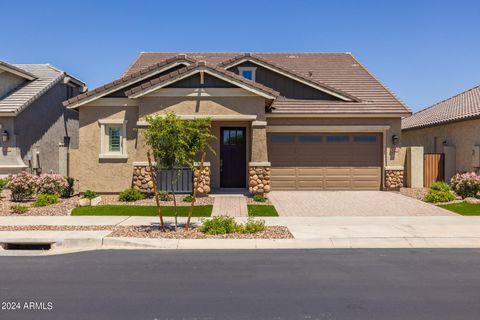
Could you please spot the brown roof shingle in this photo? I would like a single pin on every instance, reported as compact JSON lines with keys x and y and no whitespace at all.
{"x":340,"y":71}
{"x":179,"y":72}
{"x":463,"y":106}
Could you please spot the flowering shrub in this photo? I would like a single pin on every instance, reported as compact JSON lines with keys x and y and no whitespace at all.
{"x":466,"y":184}
{"x":22,"y":185}
{"x":52,"y":184}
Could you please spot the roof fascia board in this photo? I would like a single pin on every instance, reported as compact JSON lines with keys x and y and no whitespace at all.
{"x":336,"y":115}
{"x":126,"y":84}
{"x":198,"y":70}
{"x":249,"y":59}
{"x":17,"y":72}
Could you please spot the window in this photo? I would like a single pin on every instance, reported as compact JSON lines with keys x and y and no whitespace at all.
{"x":309,"y":138}
{"x":338,"y":138}
{"x":113,"y":139}
{"x":283,"y":138}
{"x":233,"y":137}
{"x":365,"y":138}
{"x":247,"y":72}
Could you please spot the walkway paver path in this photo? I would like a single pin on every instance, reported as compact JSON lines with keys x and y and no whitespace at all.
{"x":233,"y":206}
{"x":350,"y":203}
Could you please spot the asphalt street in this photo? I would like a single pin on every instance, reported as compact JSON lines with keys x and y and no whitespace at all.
{"x":243,"y":284}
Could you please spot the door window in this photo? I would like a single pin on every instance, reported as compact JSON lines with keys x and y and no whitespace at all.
{"x":233,"y":137}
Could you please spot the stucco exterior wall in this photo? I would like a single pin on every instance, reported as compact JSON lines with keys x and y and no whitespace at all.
{"x":394,"y":156}
{"x":203,"y":106}
{"x":43,"y":125}
{"x":461,"y":135}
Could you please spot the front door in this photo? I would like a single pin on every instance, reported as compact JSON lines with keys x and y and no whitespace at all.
{"x":233,"y":161}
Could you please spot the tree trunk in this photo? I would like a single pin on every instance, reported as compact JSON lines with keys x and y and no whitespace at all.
{"x":194,"y":196}
{"x":154,"y":179}
{"x":174,"y":203}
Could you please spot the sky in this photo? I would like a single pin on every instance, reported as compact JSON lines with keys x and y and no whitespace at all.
{"x":424,"y":51}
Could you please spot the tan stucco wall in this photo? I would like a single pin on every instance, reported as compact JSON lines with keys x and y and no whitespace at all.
{"x":259,"y":144}
{"x":393,"y":156}
{"x":103,"y":175}
{"x":461,"y":135}
{"x":203,"y":106}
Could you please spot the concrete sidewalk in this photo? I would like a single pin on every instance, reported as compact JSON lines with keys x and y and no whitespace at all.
{"x":309,"y":232}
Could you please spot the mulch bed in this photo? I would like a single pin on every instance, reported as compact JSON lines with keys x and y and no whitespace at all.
{"x":153,"y":231}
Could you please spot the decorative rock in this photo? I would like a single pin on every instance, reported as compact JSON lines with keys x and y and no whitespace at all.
{"x":95,"y":201}
{"x":83,"y":202}
{"x":394,"y":179}
{"x":472,"y":200}
{"x":259,"y":180}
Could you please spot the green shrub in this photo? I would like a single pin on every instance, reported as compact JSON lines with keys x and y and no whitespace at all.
{"x":89,"y":194}
{"x":252,"y":226}
{"x":45,"y":199}
{"x":164,"y":196}
{"x":219,"y":225}
{"x":188,"y":199}
{"x":68,"y":191}
{"x":259,"y":198}
{"x":439,"y":192}
{"x":439,"y":196}
{"x":19,"y":208}
{"x":3,"y":184}
{"x":130,"y":195}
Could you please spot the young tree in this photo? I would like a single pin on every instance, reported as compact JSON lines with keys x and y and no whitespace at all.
{"x":176,"y":143}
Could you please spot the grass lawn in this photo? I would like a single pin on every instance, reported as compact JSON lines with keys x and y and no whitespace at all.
{"x":257,"y":210}
{"x":126,"y":210}
{"x":465,"y":209}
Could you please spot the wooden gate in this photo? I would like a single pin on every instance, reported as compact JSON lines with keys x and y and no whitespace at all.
{"x":433,"y":168}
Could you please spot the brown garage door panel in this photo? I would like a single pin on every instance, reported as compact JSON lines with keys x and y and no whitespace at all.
{"x":320,"y":165}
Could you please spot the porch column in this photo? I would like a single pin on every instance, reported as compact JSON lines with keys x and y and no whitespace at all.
{"x":259,"y":167}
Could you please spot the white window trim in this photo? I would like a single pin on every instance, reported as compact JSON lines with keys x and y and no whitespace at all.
{"x":252,"y":69}
{"x":106,"y":154}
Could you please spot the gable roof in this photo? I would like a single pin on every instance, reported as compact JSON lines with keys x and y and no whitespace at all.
{"x":17,"y":71}
{"x":45,"y":77}
{"x":339,"y":71}
{"x":463,"y":106}
{"x":127,"y":80}
{"x":289,"y":73}
{"x":197,"y":67}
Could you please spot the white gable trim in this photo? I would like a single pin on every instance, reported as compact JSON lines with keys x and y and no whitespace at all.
{"x":128,"y":83}
{"x":198,"y":70}
{"x":288,"y":75}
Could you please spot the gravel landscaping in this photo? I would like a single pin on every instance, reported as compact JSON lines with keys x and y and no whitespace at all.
{"x":153,"y":231}
{"x":416,"y":193}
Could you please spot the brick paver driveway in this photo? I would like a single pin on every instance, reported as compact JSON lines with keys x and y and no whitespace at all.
{"x":350,"y":203}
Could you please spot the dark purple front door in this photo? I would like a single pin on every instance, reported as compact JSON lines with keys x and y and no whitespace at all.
{"x":233,"y":158}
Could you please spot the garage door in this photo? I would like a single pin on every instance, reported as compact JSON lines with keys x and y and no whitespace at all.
{"x":350,"y":161}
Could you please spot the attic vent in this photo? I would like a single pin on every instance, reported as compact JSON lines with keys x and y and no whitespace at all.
{"x":292,"y":57}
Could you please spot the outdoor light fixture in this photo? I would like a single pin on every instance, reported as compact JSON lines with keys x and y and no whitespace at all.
{"x":5,"y":136}
{"x":395,"y":139}
{"x":444,"y":142}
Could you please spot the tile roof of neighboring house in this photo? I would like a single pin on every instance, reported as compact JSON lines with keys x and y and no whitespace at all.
{"x":197,"y":65}
{"x":340,"y":71}
{"x":46,"y":76}
{"x":463,"y":106}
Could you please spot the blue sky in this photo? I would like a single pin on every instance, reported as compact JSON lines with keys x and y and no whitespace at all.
{"x":425,"y":51}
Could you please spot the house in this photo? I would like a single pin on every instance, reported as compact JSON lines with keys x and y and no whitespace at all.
{"x":450,"y":127}
{"x":284,"y":121}
{"x":36,"y":129}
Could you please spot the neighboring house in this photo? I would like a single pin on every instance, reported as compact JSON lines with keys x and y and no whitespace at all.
{"x":284,"y":121}
{"x":450,"y":127}
{"x":36,"y":129}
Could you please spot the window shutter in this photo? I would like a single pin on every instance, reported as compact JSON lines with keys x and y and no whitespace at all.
{"x":115,"y":140}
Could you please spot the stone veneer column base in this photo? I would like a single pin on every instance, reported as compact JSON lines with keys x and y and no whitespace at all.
{"x":259,"y":178}
{"x":201,"y":180}
{"x":394,"y":179}
{"x":143,"y":181}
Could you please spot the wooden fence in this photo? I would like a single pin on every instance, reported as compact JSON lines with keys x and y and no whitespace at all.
{"x":433,"y":168}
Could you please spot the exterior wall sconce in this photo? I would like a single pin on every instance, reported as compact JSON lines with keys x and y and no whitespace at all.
{"x":5,"y":136}
{"x":444,"y":142}
{"x":395,"y":139}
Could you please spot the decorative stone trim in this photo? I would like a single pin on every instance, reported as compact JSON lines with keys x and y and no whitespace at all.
{"x":259,"y":179}
{"x":142,"y":179}
{"x":201,"y":180}
{"x":394,"y":179}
